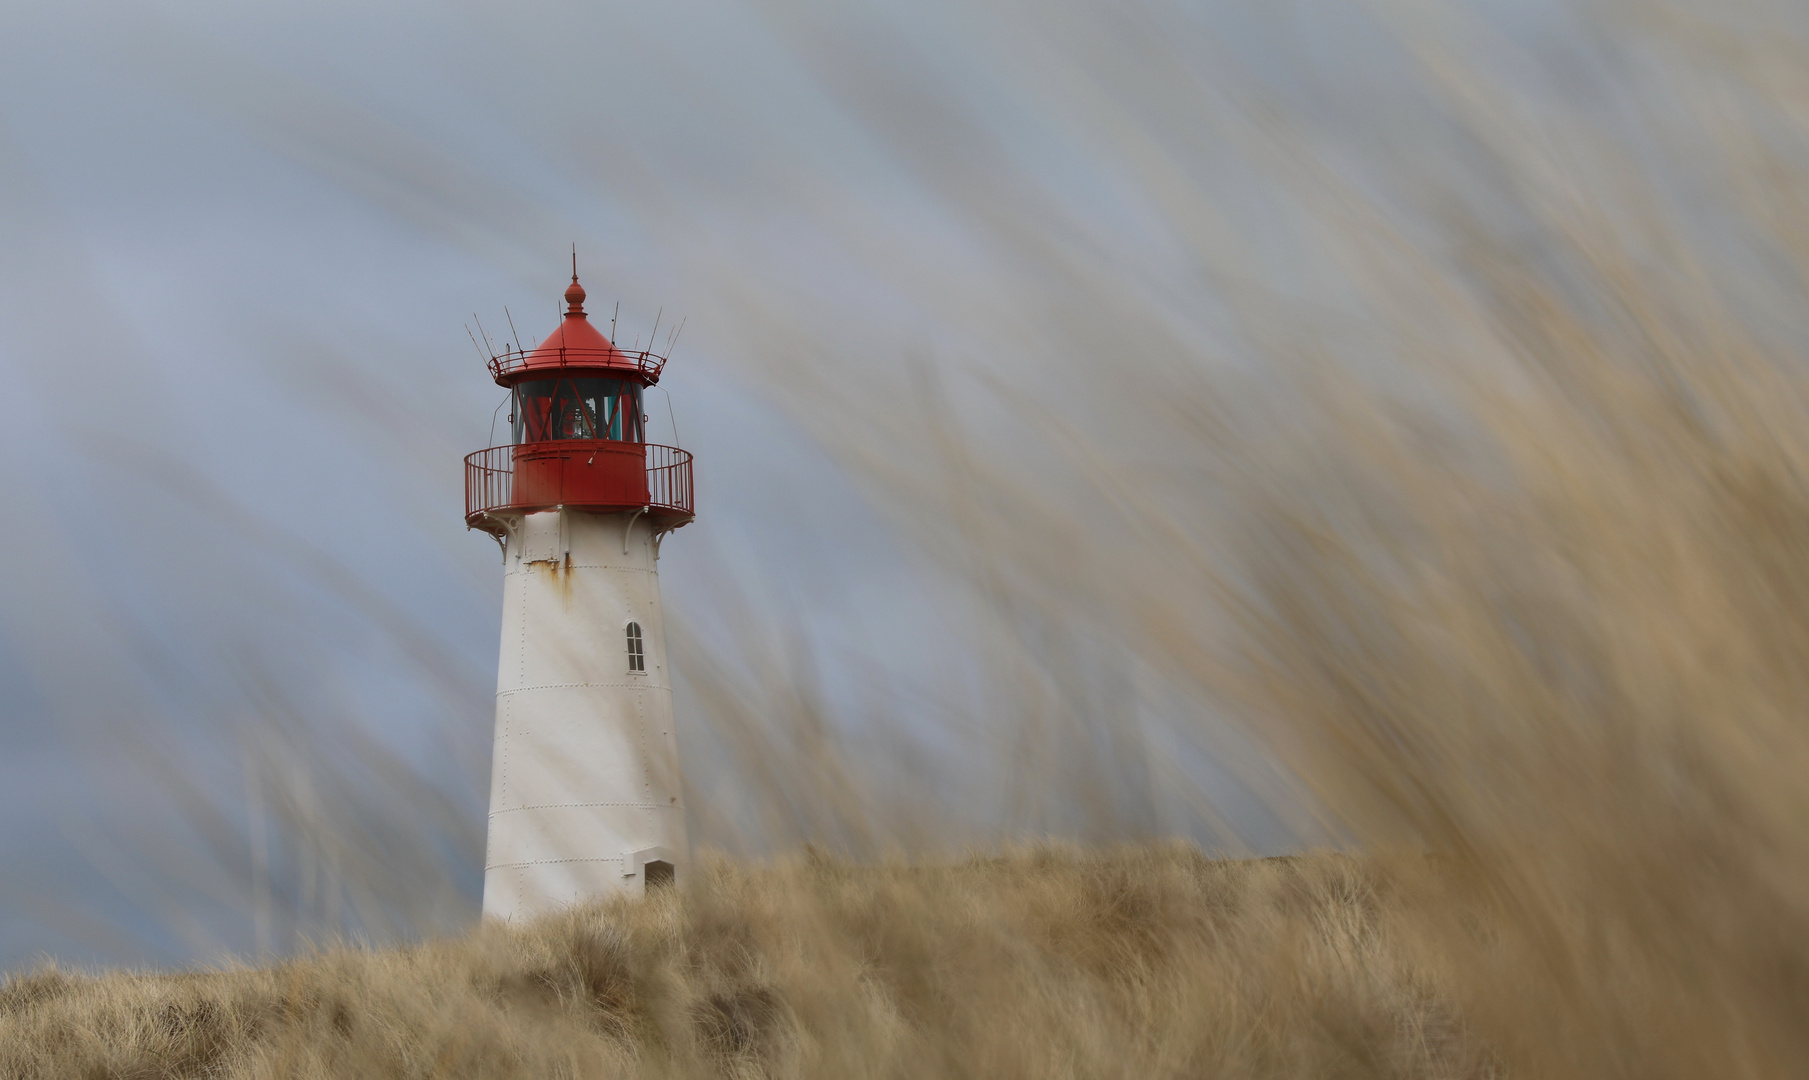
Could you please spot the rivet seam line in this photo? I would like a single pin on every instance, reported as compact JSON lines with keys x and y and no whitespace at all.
{"x":585,"y":566}
{"x":617,"y":859}
{"x":571,"y":805}
{"x":640,"y":683}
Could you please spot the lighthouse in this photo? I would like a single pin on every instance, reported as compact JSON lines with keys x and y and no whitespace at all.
{"x":585,"y":796}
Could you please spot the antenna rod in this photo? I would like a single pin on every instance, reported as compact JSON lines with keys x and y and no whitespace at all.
{"x":574,"y":260}
{"x":612,"y":322}
{"x":670,"y":415}
{"x":656,"y":327}
{"x":480,"y":329}
{"x":474,"y":344}
{"x":517,"y":336}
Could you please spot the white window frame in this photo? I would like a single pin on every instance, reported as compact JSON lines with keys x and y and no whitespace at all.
{"x":637,"y":647}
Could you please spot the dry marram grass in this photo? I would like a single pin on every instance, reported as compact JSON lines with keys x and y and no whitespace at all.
{"x":1046,"y":962}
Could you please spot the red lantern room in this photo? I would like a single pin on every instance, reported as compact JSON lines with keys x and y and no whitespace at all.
{"x":578,"y":426}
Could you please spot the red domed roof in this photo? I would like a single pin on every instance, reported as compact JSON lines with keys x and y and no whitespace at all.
{"x":576,"y":344}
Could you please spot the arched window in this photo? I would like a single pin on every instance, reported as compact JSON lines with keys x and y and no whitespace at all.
{"x":637,"y":653}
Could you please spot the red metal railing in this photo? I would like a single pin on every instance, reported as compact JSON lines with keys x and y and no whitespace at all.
{"x":648,"y":363}
{"x":489,"y":480}
{"x":668,"y":478}
{"x":582,"y":474}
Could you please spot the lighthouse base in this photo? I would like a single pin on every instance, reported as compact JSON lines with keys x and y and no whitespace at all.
{"x":526,"y":890}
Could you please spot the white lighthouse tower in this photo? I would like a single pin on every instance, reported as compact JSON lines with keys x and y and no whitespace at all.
{"x":585,"y":798}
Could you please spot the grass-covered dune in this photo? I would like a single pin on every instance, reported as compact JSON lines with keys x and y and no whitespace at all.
{"x":1148,"y":961}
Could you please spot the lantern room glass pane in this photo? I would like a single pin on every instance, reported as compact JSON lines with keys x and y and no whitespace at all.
{"x":551,"y":409}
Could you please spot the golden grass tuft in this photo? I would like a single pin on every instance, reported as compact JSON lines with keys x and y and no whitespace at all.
{"x":1145,"y":961}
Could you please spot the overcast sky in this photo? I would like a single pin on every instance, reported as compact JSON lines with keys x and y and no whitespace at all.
{"x":241,"y":250}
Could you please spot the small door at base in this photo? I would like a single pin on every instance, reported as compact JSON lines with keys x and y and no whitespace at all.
{"x":658,"y":875}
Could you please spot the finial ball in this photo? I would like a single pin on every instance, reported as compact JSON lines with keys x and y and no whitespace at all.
{"x":574,"y":295}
